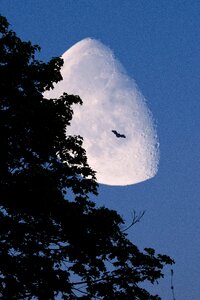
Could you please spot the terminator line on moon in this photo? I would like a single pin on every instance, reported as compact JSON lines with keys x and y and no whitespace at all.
{"x":112,"y":107}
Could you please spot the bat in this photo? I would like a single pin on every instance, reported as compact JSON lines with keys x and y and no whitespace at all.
{"x":118,"y":135}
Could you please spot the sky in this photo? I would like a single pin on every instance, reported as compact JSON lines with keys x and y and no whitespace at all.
{"x":158,"y":43}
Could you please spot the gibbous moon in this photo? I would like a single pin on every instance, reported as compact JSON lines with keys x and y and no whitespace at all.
{"x":111,"y":101}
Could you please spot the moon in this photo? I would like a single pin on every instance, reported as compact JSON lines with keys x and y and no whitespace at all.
{"x":112,"y":103}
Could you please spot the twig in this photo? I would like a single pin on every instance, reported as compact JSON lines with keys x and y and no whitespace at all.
{"x":135,"y":219}
{"x":172,"y":285}
{"x":85,"y":293}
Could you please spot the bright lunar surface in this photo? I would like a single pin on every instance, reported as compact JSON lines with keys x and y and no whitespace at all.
{"x":111,"y":101}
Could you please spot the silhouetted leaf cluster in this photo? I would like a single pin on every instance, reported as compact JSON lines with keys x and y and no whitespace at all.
{"x":53,"y":244}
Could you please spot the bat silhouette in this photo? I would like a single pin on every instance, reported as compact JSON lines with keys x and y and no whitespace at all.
{"x":118,"y":135}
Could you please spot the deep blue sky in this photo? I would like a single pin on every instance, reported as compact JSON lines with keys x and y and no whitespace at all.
{"x":158,"y":42}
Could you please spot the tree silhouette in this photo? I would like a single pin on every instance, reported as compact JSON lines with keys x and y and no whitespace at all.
{"x":54,"y":241}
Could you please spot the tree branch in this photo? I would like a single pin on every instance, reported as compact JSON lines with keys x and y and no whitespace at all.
{"x":135,"y":219}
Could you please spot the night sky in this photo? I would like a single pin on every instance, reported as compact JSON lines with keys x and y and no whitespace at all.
{"x":158,"y":43}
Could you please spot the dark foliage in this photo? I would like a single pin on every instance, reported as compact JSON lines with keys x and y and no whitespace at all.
{"x":50,"y":246}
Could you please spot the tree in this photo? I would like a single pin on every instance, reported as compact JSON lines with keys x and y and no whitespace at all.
{"x":54,"y":241}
